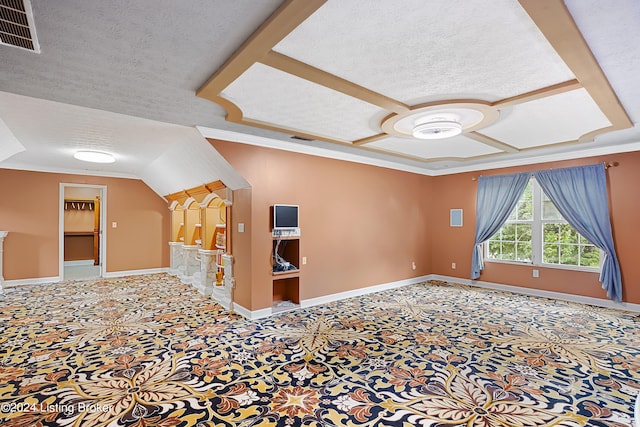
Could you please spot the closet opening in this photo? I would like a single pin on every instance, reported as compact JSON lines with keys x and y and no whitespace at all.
{"x":82,"y":237}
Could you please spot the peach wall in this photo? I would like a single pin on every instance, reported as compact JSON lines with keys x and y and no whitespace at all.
{"x":455,"y":244}
{"x":361,"y":225}
{"x":29,"y":210}
{"x":241,"y":246}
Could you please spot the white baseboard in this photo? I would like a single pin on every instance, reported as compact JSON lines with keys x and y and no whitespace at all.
{"x":56,"y":279}
{"x":136,"y":272}
{"x":251,"y":315}
{"x":266,"y":312}
{"x":35,"y":281}
{"x":360,"y":291}
{"x":598,"y":302}
{"x":78,"y":262}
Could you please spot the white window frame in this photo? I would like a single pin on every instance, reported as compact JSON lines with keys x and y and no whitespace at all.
{"x":537,"y":238}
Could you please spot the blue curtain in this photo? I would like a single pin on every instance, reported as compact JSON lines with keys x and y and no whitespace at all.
{"x":497,"y":196}
{"x":580,"y":194}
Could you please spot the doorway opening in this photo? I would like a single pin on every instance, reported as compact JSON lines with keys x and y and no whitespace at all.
{"x":82,"y":222}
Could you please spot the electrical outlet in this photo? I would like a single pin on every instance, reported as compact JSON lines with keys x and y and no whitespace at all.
{"x":453,"y":265}
{"x":304,"y":260}
{"x":536,"y":273}
{"x":114,"y":224}
{"x":413,"y":265}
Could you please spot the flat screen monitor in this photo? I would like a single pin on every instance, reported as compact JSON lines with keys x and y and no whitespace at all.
{"x":285,"y":216}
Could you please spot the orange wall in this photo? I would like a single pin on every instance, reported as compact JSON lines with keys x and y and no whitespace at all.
{"x":241,"y":246}
{"x":361,"y":225}
{"x":78,"y":248}
{"x":29,"y":210}
{"x":455,"y":244}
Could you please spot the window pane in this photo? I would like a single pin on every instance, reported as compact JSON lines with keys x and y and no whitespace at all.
{"x":494,"y":249}
{"x":551,"y":233}
{"x":569,"y":254}
{"x":509,"y":251}
{"x":568,"y":234}
{"x":589,"y":256}
{"x":523,"y":251}
{"x":524,"y":208}
{"x":509,"y":232}
{"x":523,"y":233}
{"x":551,"y":254}
{"x":549,"y":210}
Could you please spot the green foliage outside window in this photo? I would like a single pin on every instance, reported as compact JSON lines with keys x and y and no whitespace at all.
{"x":561,"y":244}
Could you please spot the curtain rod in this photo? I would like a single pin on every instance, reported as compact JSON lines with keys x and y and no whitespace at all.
{"x":607,"y":165}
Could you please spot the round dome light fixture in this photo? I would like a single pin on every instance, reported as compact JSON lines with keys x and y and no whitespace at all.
{"x":442,"y":119}
{"x":437,"y":129}
{"x":94,"y":156}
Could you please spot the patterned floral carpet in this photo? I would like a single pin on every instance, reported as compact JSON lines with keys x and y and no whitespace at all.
{"x":150,"y":351}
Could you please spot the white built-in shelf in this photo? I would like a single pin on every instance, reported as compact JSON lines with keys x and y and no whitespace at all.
{"x":221,"y":225}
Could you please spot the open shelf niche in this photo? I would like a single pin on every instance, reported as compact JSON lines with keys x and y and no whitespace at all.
{"x":192,"y":240}
{"x":192,"y":222}
{"x":214,"y":235}
{"x":200,"y":244}
{"x":177,"y":237}
{"x":285,"y":281}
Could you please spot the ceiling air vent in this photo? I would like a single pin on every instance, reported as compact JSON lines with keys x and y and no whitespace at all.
{"x":300,"y":138}
{"x":16,"y":25}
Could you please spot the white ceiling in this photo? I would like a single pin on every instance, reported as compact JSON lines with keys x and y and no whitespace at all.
{"x":122,"y":76}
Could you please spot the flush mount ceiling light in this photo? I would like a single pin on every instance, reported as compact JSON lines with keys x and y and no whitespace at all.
{"x":436,"y":127}
{"x":440,"y":120}
{"x":94,"y":156}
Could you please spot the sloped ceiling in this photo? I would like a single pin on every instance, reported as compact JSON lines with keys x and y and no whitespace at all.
{"x":532,"y":80}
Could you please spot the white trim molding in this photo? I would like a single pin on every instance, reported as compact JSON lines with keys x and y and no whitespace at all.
{"x":33,"y":281}
{"x":325,"y":299}
{"x":249,"y":314}
{"x":598,"y":302}
{"x":56,"y":279}
{"x":78,"y":263}
{"x":124,"y":273}
{"x":438,"y":168}
{"x":361,"y":291}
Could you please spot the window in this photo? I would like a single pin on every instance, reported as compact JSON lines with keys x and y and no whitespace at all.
{"x":537,"y":234}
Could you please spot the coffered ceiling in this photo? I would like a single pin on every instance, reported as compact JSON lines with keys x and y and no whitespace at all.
{"x":526,"y":80}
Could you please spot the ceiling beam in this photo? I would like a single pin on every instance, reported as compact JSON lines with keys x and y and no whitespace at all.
{"x":544,"y":92}
{"x":331,"y":81}
{"x":377,"y":137}
{"x":484,"y":139}
{"x":556,"y":23}
{"x":284,"y":20}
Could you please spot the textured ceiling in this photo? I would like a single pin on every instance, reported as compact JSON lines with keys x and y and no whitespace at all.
{"x":122,"y":76}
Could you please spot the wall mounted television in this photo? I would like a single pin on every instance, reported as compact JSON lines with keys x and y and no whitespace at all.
{"x":285,"y":217}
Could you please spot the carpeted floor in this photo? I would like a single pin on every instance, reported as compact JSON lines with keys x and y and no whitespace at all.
{"x":150,"y":351}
